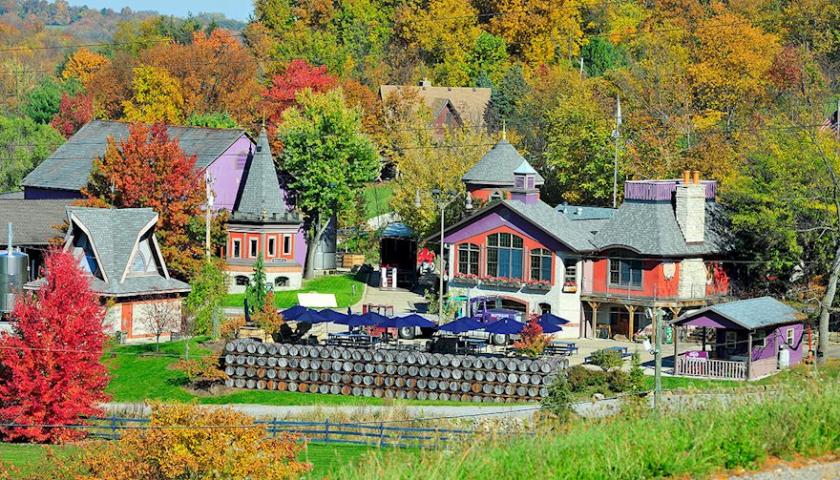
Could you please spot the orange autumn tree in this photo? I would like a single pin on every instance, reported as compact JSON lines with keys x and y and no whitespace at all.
{"x":83,"y":64}
{"x":531,"y":341}
{"x":148,"y":169}
{"x":188,"y":441}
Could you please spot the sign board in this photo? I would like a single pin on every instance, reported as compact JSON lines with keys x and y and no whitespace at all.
{"x":317,"y":300}
{"x":697,"y":355}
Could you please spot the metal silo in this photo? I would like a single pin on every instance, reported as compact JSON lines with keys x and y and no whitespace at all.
{"x":14,"y":272}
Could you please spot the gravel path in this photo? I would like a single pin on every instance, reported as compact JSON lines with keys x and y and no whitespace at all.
{"x":822,"y":471}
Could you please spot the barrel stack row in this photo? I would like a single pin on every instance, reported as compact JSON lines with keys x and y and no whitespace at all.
{"x":386,"y":373}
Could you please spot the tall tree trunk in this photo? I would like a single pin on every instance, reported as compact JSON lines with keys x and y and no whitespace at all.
{"x":825,"y":306}
{"x":312,"y":241}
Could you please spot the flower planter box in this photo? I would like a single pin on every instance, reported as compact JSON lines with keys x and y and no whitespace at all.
{"x":464,"y":281}
{"x":537,"y":287}
{"x":569,"y":288}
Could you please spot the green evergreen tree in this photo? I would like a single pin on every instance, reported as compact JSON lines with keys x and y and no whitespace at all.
{"x":257,"y":291}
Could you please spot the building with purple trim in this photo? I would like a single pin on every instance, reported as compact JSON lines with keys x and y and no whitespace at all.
{"x":599,"y":268}
{"x":752,"y":339}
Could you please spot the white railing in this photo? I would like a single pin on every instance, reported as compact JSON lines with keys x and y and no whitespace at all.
{"x":699,"y":367}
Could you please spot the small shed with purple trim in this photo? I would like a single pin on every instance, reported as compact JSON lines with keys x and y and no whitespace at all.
{"x":753,"y":339}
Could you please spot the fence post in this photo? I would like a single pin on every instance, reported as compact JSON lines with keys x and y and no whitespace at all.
{"x":381,"y":433}
{"x":274,"y":427}
{"x":326,"y":430}
{"x":113,"y":428}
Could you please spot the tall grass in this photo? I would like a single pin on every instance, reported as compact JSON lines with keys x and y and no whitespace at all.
{"x":801,"y":420}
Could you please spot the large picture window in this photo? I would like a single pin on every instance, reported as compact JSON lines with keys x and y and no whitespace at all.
{"x":504,"y":255}
{"x":468,"y":259}
{"x":626,"y":273}
{"x":540,"y":264}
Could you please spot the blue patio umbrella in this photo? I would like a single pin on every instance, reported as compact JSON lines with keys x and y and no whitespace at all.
{"x":549,"y":327}
{"x":368,"y":319}
{"x":505,"y":326}
{"x":412,"y":320}
{"x":333,"y":315}
{"x":311,"y":316}
{"x":294,"y":312}
{"x":549,"y":318}
{"x":461,"y":325}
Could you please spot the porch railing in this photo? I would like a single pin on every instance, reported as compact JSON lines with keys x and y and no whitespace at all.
{"x":723,"y":369}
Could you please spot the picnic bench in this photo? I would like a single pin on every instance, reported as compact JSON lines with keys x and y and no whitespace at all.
{"x":349,"y":339}
{"x":561,"y":348}
{"x":623,"y":351}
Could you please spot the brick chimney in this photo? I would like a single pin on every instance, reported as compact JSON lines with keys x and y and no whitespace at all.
{"x":691,"y":207}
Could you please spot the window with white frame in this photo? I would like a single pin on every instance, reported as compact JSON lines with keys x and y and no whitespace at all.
{"x":790,"y":336}
{"x":254,"y":248}
{"x":272,"y":247}
{"x":236,"y":247}
{"x":468,"y":258}
{"x":569,"y":271}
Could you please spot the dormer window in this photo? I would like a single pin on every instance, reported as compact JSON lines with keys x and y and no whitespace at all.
{"x":144,"y":261}
{"x":83,"y":251}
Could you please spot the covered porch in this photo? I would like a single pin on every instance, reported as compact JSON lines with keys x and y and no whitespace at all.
{"x":742,"y":340}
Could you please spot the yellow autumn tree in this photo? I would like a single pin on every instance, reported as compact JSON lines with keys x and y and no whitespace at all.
{"x":732,"y":59}
{"x":156,"y":97}
{"x":83,"y":64}
{"x":187,"y":441}
{"x":537,"y":30}
{"x":444,"y":32}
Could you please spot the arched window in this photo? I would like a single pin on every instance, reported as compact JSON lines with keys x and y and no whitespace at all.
{"x":504,"y":255}
{"x":281,"y":282}
{"x":540,"y":264}
{"x":468,"y":259}
{"x":242,"y":280}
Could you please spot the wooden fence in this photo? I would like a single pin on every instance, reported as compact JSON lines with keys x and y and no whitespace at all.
{"x":375,"y":434}
{"x":721,"y":369}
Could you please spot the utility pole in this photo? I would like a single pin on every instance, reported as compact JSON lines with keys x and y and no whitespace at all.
{"x":616,"y":133}
{"x":208,"y":186}
{"x":581,"y":68}
{"x":657,"y":352}
{"x":837,"y":120}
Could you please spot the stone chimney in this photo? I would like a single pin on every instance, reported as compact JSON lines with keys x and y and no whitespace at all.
{"x":691,"y":207}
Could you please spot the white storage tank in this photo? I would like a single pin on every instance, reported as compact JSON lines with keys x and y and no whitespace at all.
{"x":14,"y":272}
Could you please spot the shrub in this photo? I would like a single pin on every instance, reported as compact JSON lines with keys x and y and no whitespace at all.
{"x":607,"y":359}
{"x":637,"y":374}
{"x":531,"y":341}
{"x":582,"y":378}
{"x":201,"y":371}
{"x":558,"y":402}
{"x":618,"y":380}
{"x":268,"y":319}
{"x":230,"y":328}
{"x":182,"y":445}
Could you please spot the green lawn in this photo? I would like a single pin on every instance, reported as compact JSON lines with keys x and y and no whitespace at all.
{"x":29,"y":459}
{"x":377,"y":199}
{"x":342,"y":286}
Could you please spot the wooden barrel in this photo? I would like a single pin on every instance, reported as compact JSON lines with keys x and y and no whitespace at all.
{"x":479,"y":375}
{"x":357,"y":379}
{"x":323,"y":353}
{"x":358,"y":367}
{"x":272,"y":361}
{"x":367,"y":356}
{"x":486,"y":399}
{"x":491,"y":376}
{"x":367,"y":380}
{"x":304,"y":363}
{"x":421,"y":395}
{"x":344,"y":353}
{"x":457,"y":374}
{"x":294,"y":350}
{"x":390,"y":369}
{"x":357,"y":391}
{"x":346,"y":378}
{"x":240,"y":383}
{"x":282,"y":362}
{"x":230,"y":382}
{"x":533,"y":392}
{"x":230,"y":358}
{"x":402,"y":370}
{"x":523,"y":365}
{"x":313,"y":388}
{"x":413,"y":370}
{"x":389,"y":394}
{"x":315,"y":364}
{"x":545,"y":367}
{"x":464,"y":387}
{"x":294,"y":362}
{"x":230,"y":347}
{"x":487,"y":388}
{"x":346,"y":390}
{"x":335,"y":389}
{"x":411,"y":394}
{"x":335,"y":377}
{"x":389,"y":357}
{"x":260,"y":384}
{"x":240,"y":371}
{"x":444,"y":360}
{"x":433,"y":396}
{"x":410,"y":382}
{"x":435,"y":372}
{"x":324,"y":377}
{"x":399,"y":382}
{"x":465,"y":397}
{"x":389,"y":381}
{"x":455,"y":362}
{"x":314,"y":351}
{"x":347,"y":367}
{"x":240,"y":359}
{"x":282,"y":374}
{"x":282,"y":350}
{"x":443,"y":396}
{"x":230,"y":370}
{"x":432,"y":384}
{"x":469,"y":375}
{"x":446,"y":373}
{"x":379,"y":368}
{"x":512,"y":378}
{"x":543,"y":392}
{"x":260,"y":373}
{"x":303,"y":376}
{"x":250,"y":383}
{"x":476,"y":398}
{"x":443,"y":385}
{"x":524,"y":378}
{"x":378,"y":356}
{"x":379,"y":381}
{"x":294,"y":375}
{"x":422,"y":359}
{"x":521,"y":391}
{"x":250,"y":360}
{"x":262,"y":361}
{"x":498,"y":389}
{"x":423,"y":371}
{"x":434,"y":360}
{"x":421,"y":383}
{"x":370,"y":368}
{"x":335,"y":353}
{"x":250,"y":371}
{"x":271,"y":373}
{"x":536,"y":379}
{"x":261,"y":349}
{"x":356,"y":355}
{"x":510,"y":389}
{"x":378,"y":392}
{"x":282,"y":386}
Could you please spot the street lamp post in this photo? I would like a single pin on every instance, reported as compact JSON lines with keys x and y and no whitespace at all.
{"x":442,"y":200}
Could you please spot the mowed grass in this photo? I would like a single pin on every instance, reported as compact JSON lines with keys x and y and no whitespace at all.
{"x":377,"y":199}
{"x":802,"y":421}
{"x":29,"y":459}
{"x":346,"y":288}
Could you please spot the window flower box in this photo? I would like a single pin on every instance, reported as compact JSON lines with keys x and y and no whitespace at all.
{"x":570,"y":287}
{"x":465,"y":279}
{"x":538,"y":285}
{"x":502,"y":283}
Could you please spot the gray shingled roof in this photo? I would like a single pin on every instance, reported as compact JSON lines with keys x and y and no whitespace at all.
{"x":32,"y":220}
{"x":555,"y":224}
{"x":750,"y":314}
{"x":260,"y":197}
{"x":114,"y":233}
{"x":68,"y":168}
{"x":651,"y":228}
{"x":496,"y":167}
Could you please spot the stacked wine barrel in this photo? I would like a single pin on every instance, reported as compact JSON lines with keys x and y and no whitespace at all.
{"x":384,"y":373}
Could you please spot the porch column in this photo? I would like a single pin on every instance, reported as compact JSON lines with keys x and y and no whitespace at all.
{"x":631,"y":309}
{"x":594,"y":307}
{"x":749,"y":355}
{"x":704,"y":339}
{"x":676,"y":348}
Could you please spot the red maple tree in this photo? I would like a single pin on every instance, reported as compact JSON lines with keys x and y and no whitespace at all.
{"x":531,"y":339}
{"x":297,"y":76}
{"x":50,"y":373}
{"x":148,"y":169}
{"x":73,"y":113}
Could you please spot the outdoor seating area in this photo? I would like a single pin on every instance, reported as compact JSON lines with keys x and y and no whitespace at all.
{"x":623,"y":351}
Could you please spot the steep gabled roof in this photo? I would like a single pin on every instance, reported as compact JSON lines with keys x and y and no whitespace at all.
{"x":497,"y":166}
{"x":260,"y":197}
{"x":651,"y":228}
{"x":68,"y":168}
{"x":114,"y":235}
{"x":470,"y":102}
{"x":749,"y":314}
{"x":33,"y":220}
